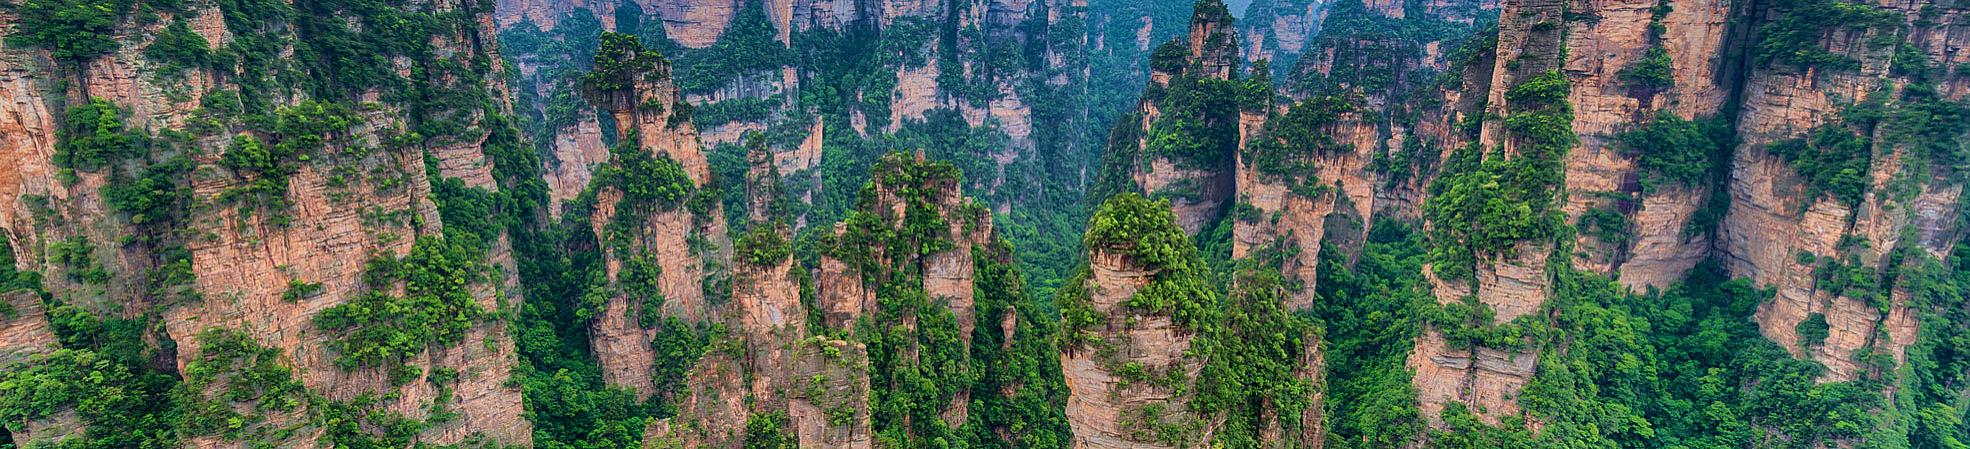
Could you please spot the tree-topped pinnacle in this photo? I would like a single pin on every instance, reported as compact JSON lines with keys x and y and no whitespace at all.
{"x":1146,"y":230}
{"x":1211,"y":11}
{"x":620,"y":60}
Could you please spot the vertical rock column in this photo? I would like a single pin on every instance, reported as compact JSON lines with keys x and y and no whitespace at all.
{"x":1511,"y":280}
{"x":634,"y":85}
{"x":1199,"y":189}
{"x":1616,"y":65}
{"x":1128,"y":373}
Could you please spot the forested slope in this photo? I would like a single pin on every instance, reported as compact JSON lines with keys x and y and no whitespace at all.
{"x":984,"y":224}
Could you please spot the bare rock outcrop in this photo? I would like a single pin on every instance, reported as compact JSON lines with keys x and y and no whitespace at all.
{"x":694,"y":23}
{"x":1608,"y":99}
{"x":578,"y":152}
{"x":1780,"y":235}
{"x":1106,"y":410}
{"x":24,"y":330}
{"x":688,"y":245}
{"x":1199,"y":186}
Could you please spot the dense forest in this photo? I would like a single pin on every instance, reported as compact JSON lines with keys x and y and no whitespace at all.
{"x":1088,"y":224}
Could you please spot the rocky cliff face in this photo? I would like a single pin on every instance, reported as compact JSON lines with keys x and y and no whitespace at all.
{"x":1649,"y":172}
{"x":1130,"y":371}
{"x":1319,"y":165}
{"x":651,"y":242}
{"x":1510,"y":280}
{"x":1611,"y":96}
{"x":1106,"y":410}
{"x":990,"y":79}
{"x":26,"y":332}
{"x":1278,"y":31}
{"x":1150,"y":351}
{"x":1788,"y":230}
{"x":1185,"y":128}
{"x":192,"y":196}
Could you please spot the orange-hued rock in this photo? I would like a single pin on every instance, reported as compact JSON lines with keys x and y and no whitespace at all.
{"x":1600,"y":173}
{"x":247,"y":264}
{"x":658,"y":234}
{"x":771,"y":319}
{"x":1198,"y":194}
{"x":1514,"y":282}
{"x":1100,"y":405}
{"x":844,"y":294}
{"x":830,"y":409}
{"x":1485,"y":379}
{"x":339,"y":210}
{"x":27,"y":143}
{"x":948,"y":274}
{"x":24,"y":331}
{"x":578,"y":151}
{"x":711,"y":408}
{"x":915,"y":94}
{"x":694,"y":23}
{"x":1773,"y":227}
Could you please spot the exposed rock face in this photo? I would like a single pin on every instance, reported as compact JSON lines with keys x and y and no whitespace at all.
{"x":1199,"y":186}
{"x":1279,"y":30}
{"x":249,"y":256}
{"x":1285,"y":214}
{"x":694,"y":23}
{"x":653,"y":233}
{"x":1106,"y":411}
{"x":24,"y":332}
{"x":844,"y":294}
{"x":1300,"y":223}
{"x":1313,"y":420}
{"x":1353,"y":186}
{"x":831,"y":411}
{"x":711,"y":408}
{"x":1779,"y":236}
{"x":1603,"y":175}
{"x":948,"y":275}
{"x":915,"y":94}
{"x":777,"y":364}
{"x":820,"y":383}
{"x":1213,"y":42}
{"x":27,"y":141}
{"x":252,"y":262}
{"x":1513,"y":282}
{"x":773,"y":322}
{"x":578,"y":150}
{"x":1213,"y":188}
{"x":546,"y":14}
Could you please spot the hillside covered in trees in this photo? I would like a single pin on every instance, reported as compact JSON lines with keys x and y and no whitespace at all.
{"x":1085,"y":224}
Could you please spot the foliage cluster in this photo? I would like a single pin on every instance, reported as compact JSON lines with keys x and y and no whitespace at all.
{"x":1487,"y":202}
{"x":379,"y":329}
{"x":73,"y":31}
{"x":1199,"y":124}
{"x":1796,"y":37}
{"x":1671,"y":150}
{"x":1290,"y":143}
{"x":1832,"y":160}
